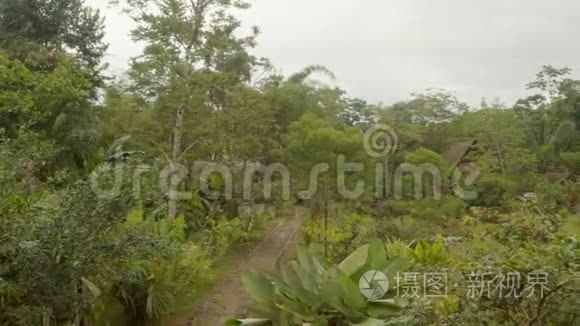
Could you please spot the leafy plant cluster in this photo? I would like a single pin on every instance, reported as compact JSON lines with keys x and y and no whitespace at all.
{"x":297,"y":295}
{"x":80,"y":259}
{"x":314,"y":292}
{"x":73,"y":253}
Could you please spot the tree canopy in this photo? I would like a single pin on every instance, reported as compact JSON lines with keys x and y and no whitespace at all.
{"x":122,"y":201}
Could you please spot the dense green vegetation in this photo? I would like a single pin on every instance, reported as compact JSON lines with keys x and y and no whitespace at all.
{"x":104,"y":219}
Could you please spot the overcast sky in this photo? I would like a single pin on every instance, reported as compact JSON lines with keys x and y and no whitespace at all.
{"x":383,"y":50}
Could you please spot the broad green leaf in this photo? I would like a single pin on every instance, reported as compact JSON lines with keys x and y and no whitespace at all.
{"x":371,"y":322}
{"x":293,"y":281}
{"x":307,"y":269}
{"x":258,"y":286}
{"x":384,"y":308}
{"x":95,"y":291}
{"x":242,"y":322}
{"x":393,"y":267}
{"x":352,"y":295}
{"x":355,"y":261}
{"x":299,"y":309}
{"x":377,"y":256}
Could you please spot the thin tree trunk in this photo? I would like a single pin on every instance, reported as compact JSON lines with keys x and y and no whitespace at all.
{"x":325,"y":228}
{"x":176,"y":152}
{"x":500,"y":157}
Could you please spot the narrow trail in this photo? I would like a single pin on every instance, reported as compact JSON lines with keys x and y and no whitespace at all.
{"x":228,"y":298}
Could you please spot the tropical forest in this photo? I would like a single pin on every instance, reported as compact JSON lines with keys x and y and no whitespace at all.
{"x":204,"y":186}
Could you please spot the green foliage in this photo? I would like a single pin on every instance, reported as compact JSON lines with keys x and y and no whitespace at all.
{"x":431,"y":209}
{"x":343,"y":234}
{"x":293,"y":97}
{"x":183,"y":37}
{"x":494,"y":190}
{"x":310,"y":291}
{"x":20,"y":171}
{"x":431,"y":108}
{"x":53,"y":103}
{"x":431,"y":254}
{"x":57,"y":25}
{"x":551,"y":197}
{"x":359,"y":113}
{"x":68,"y":256}
{"x":251,"y":321}
{"x":221,"y":234}
{"x":432,"y":182}
{"x":161,"y":274}
{"x":572,"y":160}
{"x":397,"y":248}
{"x":35,"y":97}
{"x":501,"y":136}
{"x":47,"y":252}
{"x":313,"y":141}
{"x":55,"y":260}
{"x":425,"y":156}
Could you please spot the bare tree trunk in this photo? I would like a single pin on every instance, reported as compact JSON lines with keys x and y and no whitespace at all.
{"x":500,"y":158}
{"x":325,"y":226}
{"x":326,"y":229}
{"x":252,"y":201}
{"x":176,"y":152}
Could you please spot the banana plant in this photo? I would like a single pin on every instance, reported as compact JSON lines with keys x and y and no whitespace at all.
{"x":308,"y":291}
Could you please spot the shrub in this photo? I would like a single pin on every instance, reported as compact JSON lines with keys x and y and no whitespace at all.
{"x":494,"y":190}
{"x":310,"y":291}
{"x":343,"y":235}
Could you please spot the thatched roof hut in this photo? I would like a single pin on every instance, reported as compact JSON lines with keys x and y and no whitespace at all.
{"x":456,"y":152}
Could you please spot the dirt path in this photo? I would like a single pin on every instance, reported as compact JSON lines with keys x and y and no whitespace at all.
{"x":228,"y":297}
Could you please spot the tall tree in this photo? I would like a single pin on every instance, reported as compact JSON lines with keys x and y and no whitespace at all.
{"x":552,"y":116}
{"x":57,"y":25}
{"x":55,"y":104}
{"x":191,"y":61}
{"x":315,"y":148}
{"x":292,"y":97}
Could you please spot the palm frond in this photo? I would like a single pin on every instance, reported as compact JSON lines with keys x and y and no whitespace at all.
{"x":302,"y":75}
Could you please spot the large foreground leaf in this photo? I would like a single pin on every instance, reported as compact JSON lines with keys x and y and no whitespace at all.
{"x":355,"y":261}
{"x":250,"y":321}
{"x":258,"y":286}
